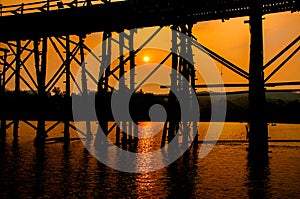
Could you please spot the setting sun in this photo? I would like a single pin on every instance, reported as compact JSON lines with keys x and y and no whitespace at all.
{"x":146,"y":59}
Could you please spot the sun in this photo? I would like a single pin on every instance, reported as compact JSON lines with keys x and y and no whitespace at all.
{"x":146,"y":59}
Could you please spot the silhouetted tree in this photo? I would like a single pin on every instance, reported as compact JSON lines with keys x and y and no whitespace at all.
{"x":57,"y":92}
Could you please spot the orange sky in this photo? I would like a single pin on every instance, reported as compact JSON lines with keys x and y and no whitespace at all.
{"x":231,"y":40}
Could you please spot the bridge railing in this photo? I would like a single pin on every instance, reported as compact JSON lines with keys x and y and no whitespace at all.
{"x":44,"y":6}
{"x":207,"y":6}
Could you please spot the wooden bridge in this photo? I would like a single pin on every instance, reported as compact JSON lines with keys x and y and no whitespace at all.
{"x":30,"y":27}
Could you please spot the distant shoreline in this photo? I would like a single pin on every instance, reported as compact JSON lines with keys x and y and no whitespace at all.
{"x":280,"y":107}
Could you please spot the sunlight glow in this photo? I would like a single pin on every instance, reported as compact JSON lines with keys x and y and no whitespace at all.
{"x":146,"y":59}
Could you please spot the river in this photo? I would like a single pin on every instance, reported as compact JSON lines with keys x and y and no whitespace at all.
{"x":69,"y":170}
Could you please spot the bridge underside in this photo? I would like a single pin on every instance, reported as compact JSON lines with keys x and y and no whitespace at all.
{"x":117,"y":16}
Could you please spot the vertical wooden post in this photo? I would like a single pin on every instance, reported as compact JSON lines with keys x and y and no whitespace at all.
{"x":84,"y":83}
{"x":3,"y":84}
{"x":68,"y":89}
{"x":258,"y":134}
{"x":103,"y":96}
{"x":122,"y":86}
{"x":18,"y":67}
{"x":40,"y":66}
{"x":133,"y":128}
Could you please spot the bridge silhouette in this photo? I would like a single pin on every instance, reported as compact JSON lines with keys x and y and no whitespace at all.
{"x":33,"y":27}
{"x":57,"y":18}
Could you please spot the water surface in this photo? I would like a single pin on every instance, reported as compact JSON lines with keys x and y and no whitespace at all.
{"x":68,"y":170}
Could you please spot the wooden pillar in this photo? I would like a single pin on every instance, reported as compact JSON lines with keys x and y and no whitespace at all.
{"x":18,"y":67}
{"x":258,"y":134}
{"x":68,"y":89}
{"x":40,"y":66}
{"x":122,"y":86}
{"x":84,"y":83}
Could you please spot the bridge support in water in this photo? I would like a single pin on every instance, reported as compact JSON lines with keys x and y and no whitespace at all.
{"x":258,"y":134}
{"x":40,"y":58}
{"x":26,"y":64}
{"x":108,"y":71}
{"x":2,"y":89}
{"x":125,"y":130}
{"x":174,"y":123}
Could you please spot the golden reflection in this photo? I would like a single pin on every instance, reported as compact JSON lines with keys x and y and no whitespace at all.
{"x":144,"y":123}
{"x":144,"y":184}
{"x":149,"y":136}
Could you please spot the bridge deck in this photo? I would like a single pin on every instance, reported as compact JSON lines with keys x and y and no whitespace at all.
{"x":19,"y":23}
